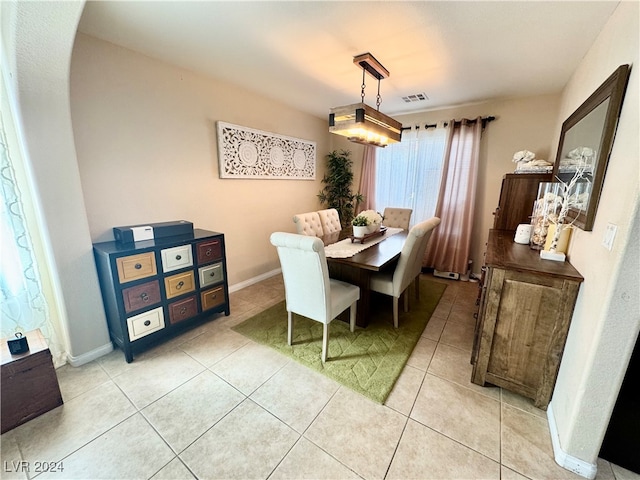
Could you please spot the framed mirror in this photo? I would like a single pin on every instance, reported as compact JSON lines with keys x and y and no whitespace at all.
{"x":586,"y":140}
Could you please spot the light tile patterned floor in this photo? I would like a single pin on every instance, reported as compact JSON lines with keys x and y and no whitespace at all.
{"x":213,"y":404}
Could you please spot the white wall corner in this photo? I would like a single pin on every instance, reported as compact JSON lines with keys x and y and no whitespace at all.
{"x":562,"y":458}
{"x":89,"y":356}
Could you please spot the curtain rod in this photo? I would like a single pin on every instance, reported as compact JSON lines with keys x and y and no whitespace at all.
{"x":485,"y":120}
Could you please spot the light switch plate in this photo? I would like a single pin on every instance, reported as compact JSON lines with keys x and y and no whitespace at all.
{"x":609,"y":235}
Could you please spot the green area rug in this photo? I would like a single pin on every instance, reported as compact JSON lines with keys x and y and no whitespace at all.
{"x":368,"y":360}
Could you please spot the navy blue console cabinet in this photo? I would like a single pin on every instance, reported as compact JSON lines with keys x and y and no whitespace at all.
{"x":153,"y":289}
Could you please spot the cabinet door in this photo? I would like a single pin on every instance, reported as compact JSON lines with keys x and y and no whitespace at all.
{"x":211,"y":274}
{"x":135,"y":267}
{"x":212,"y":298}
{"x":525,"y":320}
{"x":141,"y":296}
{"x":524,"y":328}
{"x":485,"y":280}
{"x":517,"y":195}
{"x":183,"y":309}
{"x":179,"y":284}
{"x":209,"y":250}
{"x":176,"y":258}
{"x":145,"y":323}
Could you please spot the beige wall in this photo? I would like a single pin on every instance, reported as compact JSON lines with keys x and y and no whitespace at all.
{"x":147,"y":151}
{"x":607,"y":315}
{"x":521,"y":124}
{"x":145,"y":135}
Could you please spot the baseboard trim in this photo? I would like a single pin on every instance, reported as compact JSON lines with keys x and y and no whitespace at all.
{"x":89,"y":356}
{"x":107,"y":348}
{"x":562,"y":458}
{"x":239,"y":286}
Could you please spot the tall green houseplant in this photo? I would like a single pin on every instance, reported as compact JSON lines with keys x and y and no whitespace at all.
{"x":337,"y":191}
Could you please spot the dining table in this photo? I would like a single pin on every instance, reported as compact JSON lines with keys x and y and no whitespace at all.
{"x":359,"y":268}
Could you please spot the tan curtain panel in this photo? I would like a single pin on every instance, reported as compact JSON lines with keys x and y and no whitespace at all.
{"x":368,"y":180}
{"x":449,"y":246}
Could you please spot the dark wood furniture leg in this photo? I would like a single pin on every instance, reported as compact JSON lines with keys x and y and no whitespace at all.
{"x":356,"y":276}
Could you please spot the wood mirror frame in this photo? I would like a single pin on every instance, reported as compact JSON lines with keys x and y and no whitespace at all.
{"x":592,"y":125}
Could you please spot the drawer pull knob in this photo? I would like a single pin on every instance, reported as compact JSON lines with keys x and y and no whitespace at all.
{"x":178,"y":257}
{"x":144,"y":297}
{"x":212,"y":274}
{"x":147,"y":323}
{"x":208,"y":252}
{"x":180,"y":285}
{"x":137,"y":266}
{"x":214,"y":296}
{"x":183,"y":310}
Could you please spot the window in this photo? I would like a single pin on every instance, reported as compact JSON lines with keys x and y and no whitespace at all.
{"x":27,"y":300}
{"x":408,"y":173}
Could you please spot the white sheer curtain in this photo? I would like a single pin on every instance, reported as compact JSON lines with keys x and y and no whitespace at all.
{"x":408,"y":173}
{"x":23,"y":302}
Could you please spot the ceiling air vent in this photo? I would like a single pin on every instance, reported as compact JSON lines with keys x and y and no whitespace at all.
{"x":416,"y":97}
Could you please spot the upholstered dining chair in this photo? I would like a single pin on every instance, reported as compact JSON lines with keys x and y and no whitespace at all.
{"x":308,"y":224}
{"x":397,"y":217}
{"x":330,"y":220}
{"x":408,"y":268}
{"x":308,"y":289}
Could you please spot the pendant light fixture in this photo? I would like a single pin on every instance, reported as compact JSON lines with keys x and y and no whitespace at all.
{"x":361,"y":123}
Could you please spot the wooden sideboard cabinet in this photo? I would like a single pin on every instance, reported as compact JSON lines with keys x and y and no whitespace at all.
{"x":518,"y":192}
{"x":525,"y":310}
{"x":153,"y":289}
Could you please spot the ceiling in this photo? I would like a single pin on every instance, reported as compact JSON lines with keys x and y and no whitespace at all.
{"x":301,"y":52}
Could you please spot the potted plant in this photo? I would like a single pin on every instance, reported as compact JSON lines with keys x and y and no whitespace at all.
{"x":366,"y":222}
{"x":337,"y":191}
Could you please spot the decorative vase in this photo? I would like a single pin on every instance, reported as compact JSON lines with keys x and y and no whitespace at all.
{"x":360,"y":231}
{"x":545,"y":212}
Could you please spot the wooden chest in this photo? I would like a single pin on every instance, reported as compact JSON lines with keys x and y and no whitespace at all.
{"x":29,"y":382}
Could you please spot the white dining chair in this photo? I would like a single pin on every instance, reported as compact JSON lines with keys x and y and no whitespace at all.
{"x":397,"y":217}
{"x":408,"y":268}
{"x":308,"y":224}
{"x":330,"y":220}
{"x":308,"y":289}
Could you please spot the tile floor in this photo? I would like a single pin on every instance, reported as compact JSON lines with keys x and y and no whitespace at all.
{"x":212,"y":404}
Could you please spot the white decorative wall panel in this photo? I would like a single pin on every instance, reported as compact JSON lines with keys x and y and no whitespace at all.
{"x":247,"y":153}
